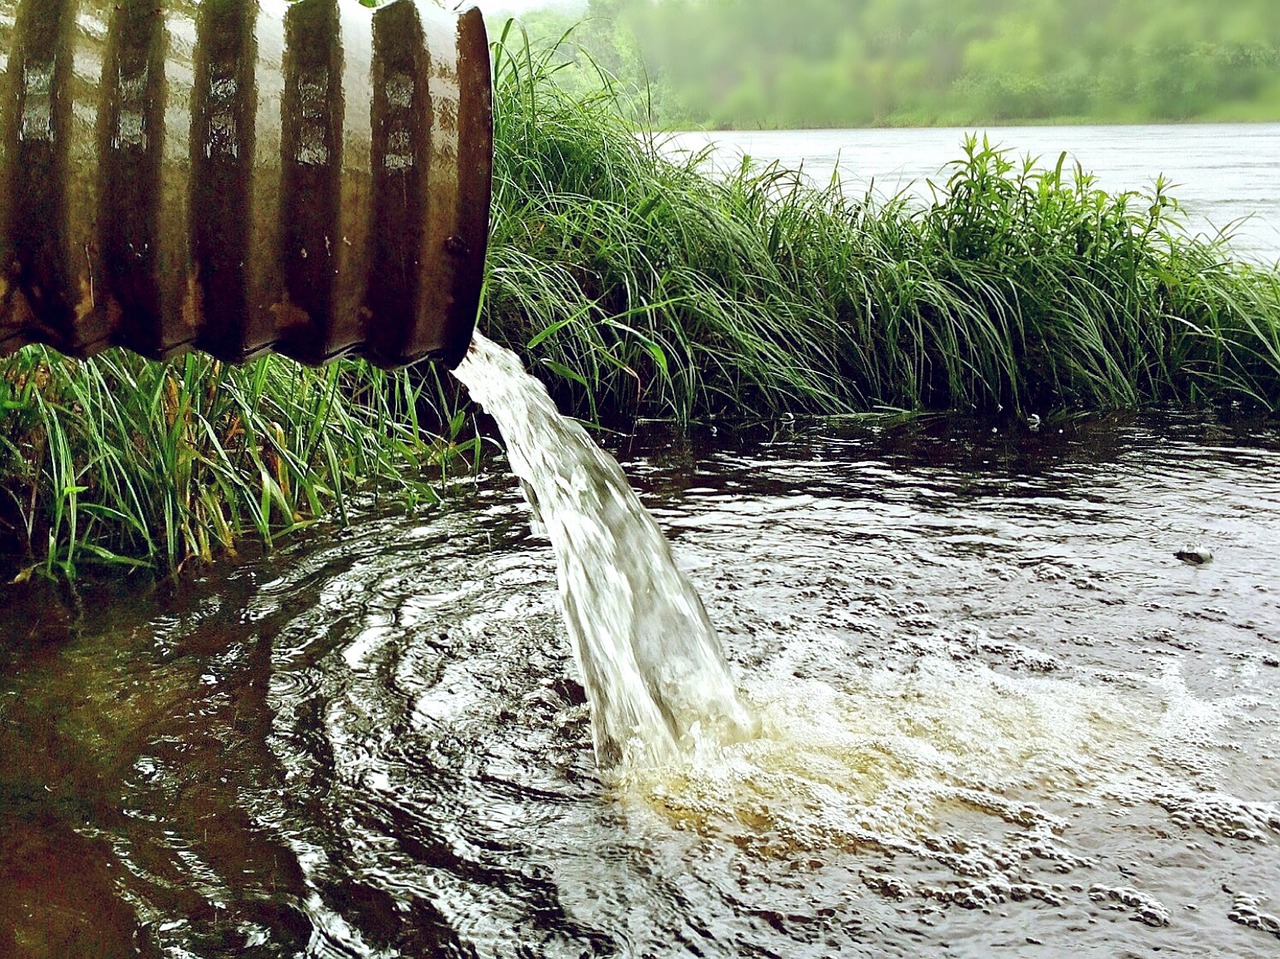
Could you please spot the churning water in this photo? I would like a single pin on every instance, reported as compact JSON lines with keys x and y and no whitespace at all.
{"x":996,"y":715}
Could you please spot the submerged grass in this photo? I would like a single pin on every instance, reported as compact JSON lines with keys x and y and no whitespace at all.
{"x":637,"y":286}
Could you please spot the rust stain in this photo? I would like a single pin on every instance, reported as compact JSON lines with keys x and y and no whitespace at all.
{"x":86,"y":306}
{"x":289,"y":314}
{"x":193,"y":304}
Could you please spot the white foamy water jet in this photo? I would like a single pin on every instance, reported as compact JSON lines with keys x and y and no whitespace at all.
{"x":652,"y":665}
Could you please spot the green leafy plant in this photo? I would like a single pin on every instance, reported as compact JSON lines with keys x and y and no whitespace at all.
{"x":124,"y":461}
{"x":639,"y":286}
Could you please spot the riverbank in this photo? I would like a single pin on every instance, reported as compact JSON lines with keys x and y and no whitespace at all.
{"x":642,"y":287}
{"x":635,"y":285}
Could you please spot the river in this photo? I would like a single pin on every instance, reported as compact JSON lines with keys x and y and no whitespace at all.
{"x":1227,"y":176}
{"x":998,"y":713}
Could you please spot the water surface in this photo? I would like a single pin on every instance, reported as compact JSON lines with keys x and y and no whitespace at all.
{"x":998,"y":715}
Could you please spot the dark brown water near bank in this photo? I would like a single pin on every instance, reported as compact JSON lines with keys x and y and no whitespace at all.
{"x":1056,"y":737}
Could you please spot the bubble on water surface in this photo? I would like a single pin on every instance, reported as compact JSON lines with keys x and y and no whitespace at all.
{"x":981,"y":780}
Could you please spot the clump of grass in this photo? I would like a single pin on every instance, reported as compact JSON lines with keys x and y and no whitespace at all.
{"x":1085,"y":294}
{"x":639,"y":286}
{"x":123,"y":461}
{"x":627,"y":278}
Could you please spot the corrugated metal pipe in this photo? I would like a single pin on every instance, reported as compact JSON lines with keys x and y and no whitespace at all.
{"x":239,"y":176}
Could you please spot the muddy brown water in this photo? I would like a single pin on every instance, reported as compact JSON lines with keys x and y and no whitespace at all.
{"x":999,"y":717}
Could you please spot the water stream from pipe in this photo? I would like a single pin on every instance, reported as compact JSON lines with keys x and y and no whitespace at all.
{"x":651,"y":662}
{"x":793,"y":765}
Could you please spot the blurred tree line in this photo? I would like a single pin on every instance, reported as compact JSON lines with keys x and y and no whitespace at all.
{"x":845,"y":63}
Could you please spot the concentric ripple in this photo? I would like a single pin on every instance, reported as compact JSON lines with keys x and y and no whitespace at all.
{"x":998,"y":715}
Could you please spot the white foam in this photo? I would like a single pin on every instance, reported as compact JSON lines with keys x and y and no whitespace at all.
{"x":911,"y":760}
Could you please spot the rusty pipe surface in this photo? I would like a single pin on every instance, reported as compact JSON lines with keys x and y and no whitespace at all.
{"x":238,"y":176}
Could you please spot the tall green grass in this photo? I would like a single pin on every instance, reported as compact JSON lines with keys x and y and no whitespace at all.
{"x":123,"y":461}
{"x":629,"y":280}
{"x":639,"y":286}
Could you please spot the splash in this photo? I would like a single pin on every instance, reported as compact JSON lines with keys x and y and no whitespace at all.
{"x":936,"y":779}
{"x":953,"y":784}
{"x":652,"y":665}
